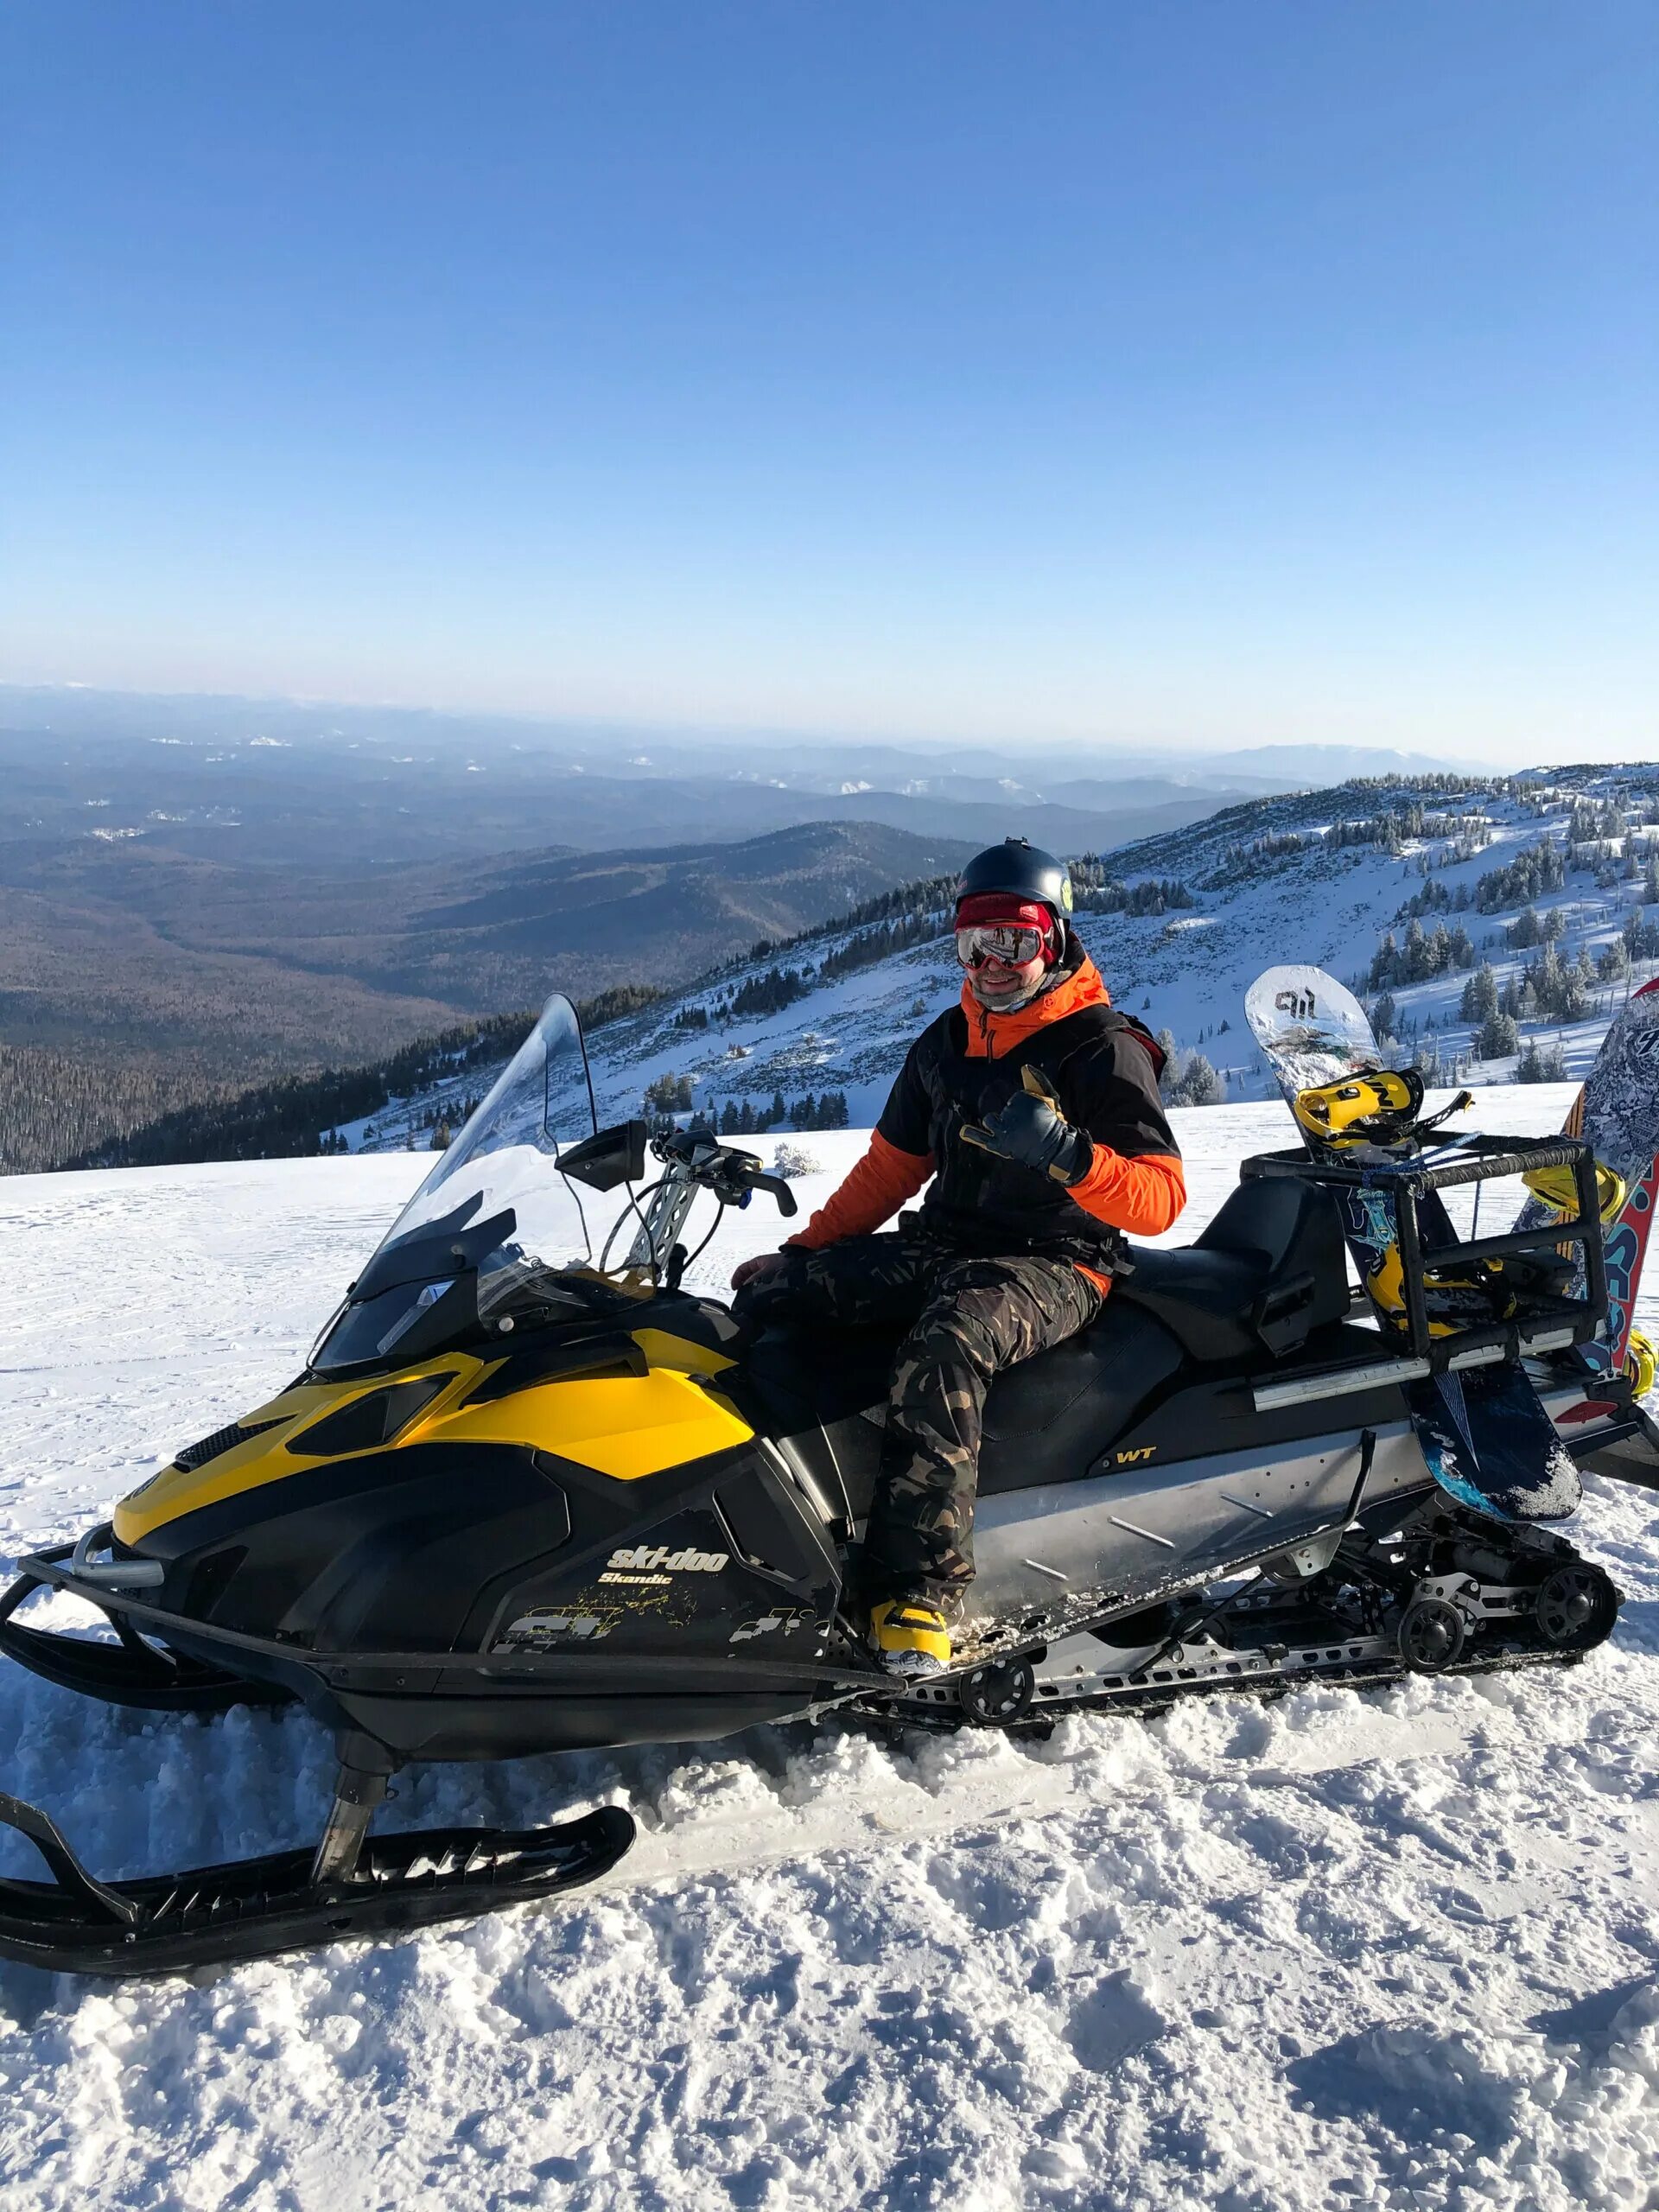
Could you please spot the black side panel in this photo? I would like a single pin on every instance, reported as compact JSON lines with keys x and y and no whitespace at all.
{"x":386,"y":1550}
{"x":500,"y":1551}
{"x":766,"y":1528}
{"x":1218,"y":1413}
{"x":719,"y":1558}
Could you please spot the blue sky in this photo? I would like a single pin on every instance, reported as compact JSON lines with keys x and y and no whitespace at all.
{"x":1187,"y":373}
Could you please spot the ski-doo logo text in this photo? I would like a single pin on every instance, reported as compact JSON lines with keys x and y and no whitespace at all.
{"x":1302,"y":1004}
{"x":654,"y":1558}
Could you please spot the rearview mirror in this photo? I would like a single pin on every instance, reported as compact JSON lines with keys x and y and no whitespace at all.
{"x":615,"y":1155}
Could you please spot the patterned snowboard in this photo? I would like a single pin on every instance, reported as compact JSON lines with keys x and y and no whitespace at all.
{"x":1618,"y":1110}
{"x":1484,"y":1433}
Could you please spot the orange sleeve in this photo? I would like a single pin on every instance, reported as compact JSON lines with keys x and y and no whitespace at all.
{"x":1142,"y":1194}
{"x":877,"y":1187}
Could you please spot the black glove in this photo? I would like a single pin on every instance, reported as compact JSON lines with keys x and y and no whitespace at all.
{"x":1031,"y":1130}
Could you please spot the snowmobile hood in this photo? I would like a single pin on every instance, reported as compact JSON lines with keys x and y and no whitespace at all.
{"x":625,"y":1404}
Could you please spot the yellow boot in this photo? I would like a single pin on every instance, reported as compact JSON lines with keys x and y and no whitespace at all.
{"x":910,"y":1636}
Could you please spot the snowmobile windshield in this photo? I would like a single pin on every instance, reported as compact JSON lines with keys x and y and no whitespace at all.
{"x":492,"y":1225}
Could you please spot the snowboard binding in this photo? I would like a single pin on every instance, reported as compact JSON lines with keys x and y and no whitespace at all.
{"x":1382,"y":1107}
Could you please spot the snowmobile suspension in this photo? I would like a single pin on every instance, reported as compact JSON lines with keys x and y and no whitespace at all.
{"x":360,"y":1789}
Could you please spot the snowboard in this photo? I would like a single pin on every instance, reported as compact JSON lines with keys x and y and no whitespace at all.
{"x":1484,"y":1431}
{"x":1617,"y":1111}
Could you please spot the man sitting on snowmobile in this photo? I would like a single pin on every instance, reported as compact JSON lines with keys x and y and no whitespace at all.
{"x":1033,"y":1106}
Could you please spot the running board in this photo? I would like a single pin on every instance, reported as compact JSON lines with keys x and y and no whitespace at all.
{"x":256,"y":1907}
{"x":1381,"y":1374}
{"x":1630,"y":1454}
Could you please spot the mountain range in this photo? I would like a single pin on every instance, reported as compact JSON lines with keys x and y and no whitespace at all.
{"x":1326,"y":878}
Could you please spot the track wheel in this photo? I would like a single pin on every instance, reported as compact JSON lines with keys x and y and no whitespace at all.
{"x":1431,"y":1636}
{"x":1576,"y":1607}
{"x":999,"y":1692}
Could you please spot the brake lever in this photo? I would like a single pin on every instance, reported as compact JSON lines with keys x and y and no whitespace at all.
{"x":779,"y":1190}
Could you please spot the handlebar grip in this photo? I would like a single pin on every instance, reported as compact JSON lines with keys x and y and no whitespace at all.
{"x":780,"y":1190}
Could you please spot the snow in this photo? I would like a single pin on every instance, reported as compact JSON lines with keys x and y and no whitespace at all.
{"x":1398,"y":1948}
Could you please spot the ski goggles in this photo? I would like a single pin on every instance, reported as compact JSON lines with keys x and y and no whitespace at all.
{"x":1013,"y":944}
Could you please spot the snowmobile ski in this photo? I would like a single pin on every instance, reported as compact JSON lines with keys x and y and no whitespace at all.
{"x":258,"y":1908}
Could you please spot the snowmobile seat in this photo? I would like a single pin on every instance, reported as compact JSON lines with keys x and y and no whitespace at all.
{"x":1045,"y":1420}
{"x":1269,"y":1269}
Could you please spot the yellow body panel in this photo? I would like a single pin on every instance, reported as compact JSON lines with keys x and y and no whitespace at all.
{"x":265,"y":1458}
{"x":663,"y":1350}
{"x":624,"y":1425}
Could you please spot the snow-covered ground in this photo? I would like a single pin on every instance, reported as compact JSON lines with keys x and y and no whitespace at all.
{"x":1396,"y":1949}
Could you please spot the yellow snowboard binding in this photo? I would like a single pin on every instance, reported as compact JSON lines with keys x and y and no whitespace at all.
{"x":1379,"y":1106}
{"x":910,"y":1636}
{"x":1557,"y":1188}
{"x":1640,"y":1362}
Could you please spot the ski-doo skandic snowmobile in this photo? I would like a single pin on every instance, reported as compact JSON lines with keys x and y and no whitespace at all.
{"x":522,"y":1500}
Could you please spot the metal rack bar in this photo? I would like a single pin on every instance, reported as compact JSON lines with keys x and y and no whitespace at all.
{"x":1481,"y":1160}
{"x":1411,"y":1270}
{"x":1548,"y":1323}
{"x":1499,"y":1248}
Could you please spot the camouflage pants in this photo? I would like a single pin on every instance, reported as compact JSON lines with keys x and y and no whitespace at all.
{"x":970,"y":1318}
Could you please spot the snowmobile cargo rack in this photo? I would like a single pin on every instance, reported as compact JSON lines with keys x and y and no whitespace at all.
{"x":1550,"y":1323}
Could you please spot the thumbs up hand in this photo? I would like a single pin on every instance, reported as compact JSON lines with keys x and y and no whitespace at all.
{"x":1030,"y":1130}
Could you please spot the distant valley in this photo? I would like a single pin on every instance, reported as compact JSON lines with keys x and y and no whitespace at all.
{"x":201,"y":895}
{"x":1495,"y":925}
{"x":135,"y":979}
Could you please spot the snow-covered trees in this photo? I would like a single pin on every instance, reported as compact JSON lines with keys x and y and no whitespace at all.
{"x":1479,"y":995}
{"x":1534,"y":870}
{"x":1533,"y":1066}
{"x":1497,"y":1037}
{"x":1189,"y":1078}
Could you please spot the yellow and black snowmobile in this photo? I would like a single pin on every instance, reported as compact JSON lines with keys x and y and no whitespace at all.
{"x":522,"y":1501}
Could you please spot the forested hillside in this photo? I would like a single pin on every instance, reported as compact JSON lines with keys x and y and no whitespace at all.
{"x":138,"y":982}
{"x":1493,"y":924}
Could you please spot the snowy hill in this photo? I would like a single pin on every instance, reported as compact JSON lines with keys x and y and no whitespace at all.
{"x":1386,"y":1949}
{"x":1320,"y":877}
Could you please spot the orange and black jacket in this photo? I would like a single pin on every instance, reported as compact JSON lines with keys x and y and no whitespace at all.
{"x":1104,"y":1067}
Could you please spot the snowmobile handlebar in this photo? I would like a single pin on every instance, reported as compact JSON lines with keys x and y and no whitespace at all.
{"x":732,"y":1174}
{"x":693,"y":1160}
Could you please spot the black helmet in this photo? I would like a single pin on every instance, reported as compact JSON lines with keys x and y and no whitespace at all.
{"x":1024,"y":871}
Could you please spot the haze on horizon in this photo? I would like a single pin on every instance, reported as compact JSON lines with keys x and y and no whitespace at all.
{"x":1195,"y":377}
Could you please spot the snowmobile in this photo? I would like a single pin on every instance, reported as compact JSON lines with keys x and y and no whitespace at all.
{"x":521,"y":1500}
